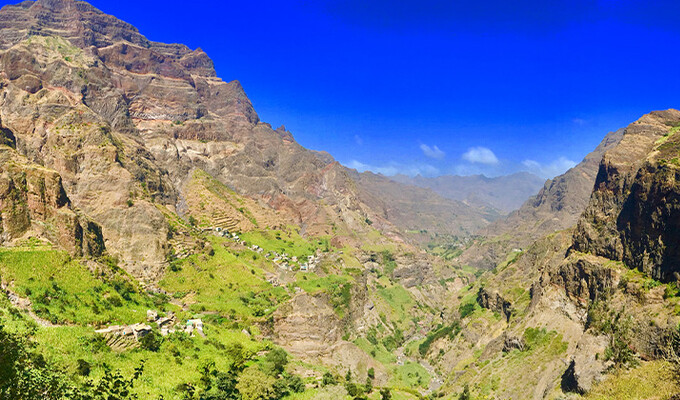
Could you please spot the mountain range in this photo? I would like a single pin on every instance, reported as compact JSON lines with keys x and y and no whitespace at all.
{"x":503,"y":193}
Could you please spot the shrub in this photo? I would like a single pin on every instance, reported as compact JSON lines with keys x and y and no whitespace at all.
{"x":449,"y":331}
{"x":465,"y":395}
{"x":151,"y":341}
{"x":83,"y":367}
{"x":275,"y":362}
{"x":328,"y":379}
{"x":466,"y":309}
{"x":295,"y":384}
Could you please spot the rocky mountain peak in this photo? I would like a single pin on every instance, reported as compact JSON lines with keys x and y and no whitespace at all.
{"x":633,"y":211}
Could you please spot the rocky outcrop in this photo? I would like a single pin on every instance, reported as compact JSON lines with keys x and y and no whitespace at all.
{"x":307,"y":325}
{"x":493,"y":301}
{"x":585,"y":279}
{"x":33,"y":200}
{"x":587,"y":365}
{"x":412,"y":272}
{"x":513,"y":343}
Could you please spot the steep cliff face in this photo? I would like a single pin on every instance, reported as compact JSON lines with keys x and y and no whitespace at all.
{"x":634,"y":210}
{"x":33,"y":202}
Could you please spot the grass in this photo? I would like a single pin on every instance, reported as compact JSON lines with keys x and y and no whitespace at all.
{"x":507,"y":376}
{"x":175,"y":363}
{"x":449,"y":331}
{"x":548,"y":342}
{"x":63,"y":290}
{"x":289,"y":242}
{"x":650,"y":381}
{"x":411,"y":375}
{"x":377,"y":351}
{"x":225,"y":282}
{"x":400,"y":301}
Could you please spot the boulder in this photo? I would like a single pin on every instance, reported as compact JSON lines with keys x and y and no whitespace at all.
{"x":493,"y":301}
{"x":587,"y":365}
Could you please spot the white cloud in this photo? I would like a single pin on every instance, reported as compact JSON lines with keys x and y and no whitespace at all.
{"x":551,"y":170}
{"x":481,"y":155}
{"x":358,"y":140}
{"x":432,"y":152}
{"x":395,"y":168}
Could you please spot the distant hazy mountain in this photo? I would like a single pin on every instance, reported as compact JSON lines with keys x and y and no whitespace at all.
{"x":504,"y":193}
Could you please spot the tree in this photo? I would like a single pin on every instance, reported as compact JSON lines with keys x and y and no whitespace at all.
{"x":295,"y":383}
{"x":368,"y":387}
{"x":24,"y":375}
{"x":275,"y":362}
{"x":253,"y":384}
{"x":328,"y":379}
{"x":385,"y":394}
{"x":465,"y":395}
{"x":353,"y":389}
{"x":348,"y":376}
{"x":113,"y":385}
{"x":83,"y":367}
{"x":151,"y":341}
{"x":371,"y":373}
{"x":238,"y":355}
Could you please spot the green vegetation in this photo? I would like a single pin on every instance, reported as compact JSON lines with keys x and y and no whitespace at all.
{"x":376,"y":349}
{"x":617,"y":325}
{"x":289,"y":242}
{"x":225,"y":281}
{"x":63,"y":290}
{"x":651,"y":380}
{"x":410,"y":375}
{"x":450,"y":331}
{"x":338,"y":287}
{"x":550,"y":342}
{"x":388,"y":262}
{"x":400,"y":303}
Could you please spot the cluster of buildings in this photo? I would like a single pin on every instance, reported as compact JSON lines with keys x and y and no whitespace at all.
{"x":283,"y":261}
{"x":127,"y":336}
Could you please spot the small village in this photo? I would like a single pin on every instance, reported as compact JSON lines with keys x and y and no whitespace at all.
{"x":123,"y":337}
{"x":282,"y":261}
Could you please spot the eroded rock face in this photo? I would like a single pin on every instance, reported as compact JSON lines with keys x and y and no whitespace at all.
{"x":495,"y":302}
{"x":32,"y":199}
{"x":306,"y":325}
{"x":634,"y":210}
{"x":585,"y":280}
{"x":587,"y":365}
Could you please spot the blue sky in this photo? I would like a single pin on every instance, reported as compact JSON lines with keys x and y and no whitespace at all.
{"x":436,"y":87}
